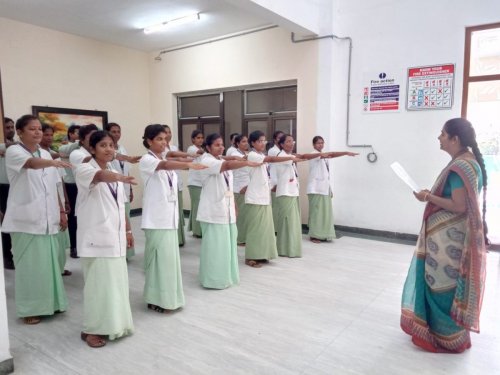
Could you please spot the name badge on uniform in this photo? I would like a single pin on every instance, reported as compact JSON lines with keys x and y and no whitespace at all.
{"x":172,"y":197}
{"x":228,"y":194}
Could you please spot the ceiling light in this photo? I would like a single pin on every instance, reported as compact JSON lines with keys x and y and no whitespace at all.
{"x":176,"y":21}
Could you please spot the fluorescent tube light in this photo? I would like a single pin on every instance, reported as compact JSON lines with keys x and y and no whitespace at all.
{"x":176,"y":21}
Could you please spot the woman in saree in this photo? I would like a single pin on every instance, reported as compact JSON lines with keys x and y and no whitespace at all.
{"x":443,"y":291}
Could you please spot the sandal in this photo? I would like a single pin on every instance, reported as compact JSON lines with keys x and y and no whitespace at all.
{"x":253,"y":263}
{"x":31,"y":320}
{"x":158,"y":309}
{"x":315,"y":240}
{"x":94,"y":341}
{"x":66,"y":273}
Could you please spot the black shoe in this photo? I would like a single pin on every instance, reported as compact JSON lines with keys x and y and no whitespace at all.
{"x":73,"y":254}
{"x":8,"y":264}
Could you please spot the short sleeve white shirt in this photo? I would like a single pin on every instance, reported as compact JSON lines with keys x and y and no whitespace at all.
{"x":217,"y":199}
{"x":287,"y":177}
{"x":32,"y":205}
{"x":101,"y":215}
{"x":258,"y":190}
{"x":241,"y":175}
{"x":159,"y":199}
{"x":123,"y":167}
{"x":273,"y":151}
{"x":194,"y":177}
{"x":65,"y":151}
{"x":318,"y":181}
{"x":177,"y":172}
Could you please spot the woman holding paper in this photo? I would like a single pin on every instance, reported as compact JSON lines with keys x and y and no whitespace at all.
{"x":443,"y":292}
{"x":319,"y":193}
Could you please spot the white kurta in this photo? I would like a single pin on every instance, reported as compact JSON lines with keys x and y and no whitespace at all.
{"x":159,"y":204}
{"x":101,"y":215}
{"x":217,"y":198}
{"x":258,"y":187}
{"x":318,"y":181}
{"x":287,"y":178}
{"x":33,"y":205}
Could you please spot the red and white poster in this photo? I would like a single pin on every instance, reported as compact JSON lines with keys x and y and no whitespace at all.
{"x":430,"y":87}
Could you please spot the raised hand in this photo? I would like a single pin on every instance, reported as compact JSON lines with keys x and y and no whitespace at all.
{"x":127,"y":179}
{"x":196,"y":166}
{"x":61,"y":164}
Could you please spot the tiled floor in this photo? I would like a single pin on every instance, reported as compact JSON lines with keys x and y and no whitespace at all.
{"x":334,"y":311}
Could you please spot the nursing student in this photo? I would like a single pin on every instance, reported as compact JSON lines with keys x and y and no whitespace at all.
{"x":319,"y":193}
{"x":194,"y":182}
{"x":217,"y":216}
{"x":274,"y":151}
{"x":288,"y":224}
{"x":78,"y":156}
{"x":69,"y":184}
{"x":121,"y":163}
{"x":33,"y":218}
{"x":172,"y":151}
{"x":163,"y":291}
{"x":9,"y":131}
{"x":241,"y":178}
{"x":103,"y":236}
{"x":260,"y":233}
{"x":63,"y":235}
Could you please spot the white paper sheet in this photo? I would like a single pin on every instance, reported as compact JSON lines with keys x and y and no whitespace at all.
{"x":403,"y":175}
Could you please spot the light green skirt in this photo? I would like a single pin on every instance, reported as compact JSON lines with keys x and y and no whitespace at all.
{"x":193,"y":224}
{"x":275,"y":209}
{"x":180,"y":228}
{"x":321,"y":217}
{"x":242,"y":217}
{"x":106,"y":304}
{"x":219,"y":256}
{"x":130,"y":250}
{"x":289,"y":228}
{"x":39,"y":288}
{"x":63,"y":240}
{"x":163,"y":285}
{"x":260,"y":238}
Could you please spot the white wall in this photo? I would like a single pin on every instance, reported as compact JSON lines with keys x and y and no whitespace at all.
{"x":46,"y":67}
{"x":390,"y":36}
{"x":262,"y":57}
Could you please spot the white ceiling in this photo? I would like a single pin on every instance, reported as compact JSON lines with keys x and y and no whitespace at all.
{"x":120,"y":22}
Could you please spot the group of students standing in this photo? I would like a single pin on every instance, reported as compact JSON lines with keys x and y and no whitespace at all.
{"x":231,"y":203}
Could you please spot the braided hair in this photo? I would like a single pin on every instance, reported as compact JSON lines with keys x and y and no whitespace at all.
{"x":463,"y":129}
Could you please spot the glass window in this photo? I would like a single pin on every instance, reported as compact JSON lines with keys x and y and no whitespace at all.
{"x":187,"y":129}
{"x":280,"y":99}
{"x":485,"y":52}
{"x":200,"y":106}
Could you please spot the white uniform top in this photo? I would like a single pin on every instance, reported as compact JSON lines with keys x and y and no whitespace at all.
{"x":230,"y":149}
{"x":65,"y":151}
{"x":159,"y":199}
{"x":33,"y":205}
{"x":318,"y":181}
{"x":258,"y":191}
{"x":242,"y":175}
{"x":177,"y":172}
{"x":287,"y":177}
{"x":76,"y":158}
{"x":101,"y":215}
{"x":3,"y":169}
{"x":123,"y":167}
{"x":273,"y":151}
{"x":194,"y":177}
{"x":217,"y":198}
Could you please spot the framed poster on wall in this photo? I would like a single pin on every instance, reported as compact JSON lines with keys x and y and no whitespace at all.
{"x":62,"y":118}
{"x":430,"y":87}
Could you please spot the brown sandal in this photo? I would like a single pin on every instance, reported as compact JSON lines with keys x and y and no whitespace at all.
{"x":66,"y":273}
{"x":253,"y":263}
{"x":94,"y":341}
{"x":31,"y":320}
{"x":315,"y":240}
